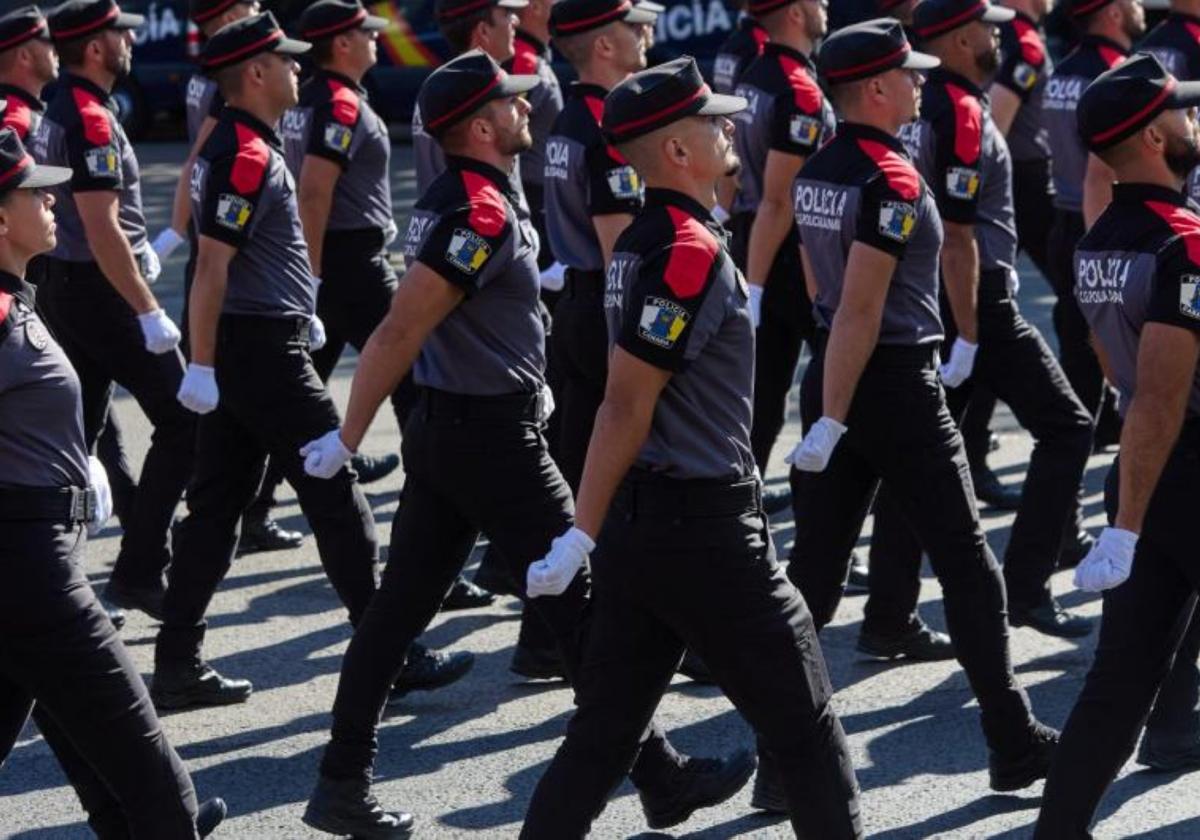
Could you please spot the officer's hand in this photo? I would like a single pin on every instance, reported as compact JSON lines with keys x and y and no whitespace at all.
{"x":1013,"y":282}
{"x":756,"y":294}
{"x":1109,"y":562}
{"x":813,"y":453}
{"x":152,"y":267}
{"x":554,"y":278}
{"x":553,"y":574}
{"x":957,"y":369}
{"x":166,"y":242}
{"x":547,"y":405}
{"x":159,"y":331}
{"x":198,"y":391}
{"x":325,"y":456}
{"x":98,"y":480}
{"x":316,"y":334}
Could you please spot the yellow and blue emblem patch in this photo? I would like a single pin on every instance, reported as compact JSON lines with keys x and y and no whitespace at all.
{"x":662,"y":321}
{"x":102,"y":162}
{"x":468,"y":251}
{"x":338,"y":137}
{"x":804,"y":130}
{"x":1025,"y":76}
{"x":624,"y":182}
{"x":962,"y":182}
{"x":897,"y":220}
{"x":233,"y":211}
{"x":1189,"y":296}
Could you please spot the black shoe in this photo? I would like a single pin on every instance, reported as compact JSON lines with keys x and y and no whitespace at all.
{"x":768,"y":793}
{"x":776,"y":501}
{"x":148,"y":599}
{"x":694,"y":669}
{"x":921,"y":644}
{"x":347,"y":806}
{"x":699,"y":783}
{"x":195,"y":684}
{"x":426,"y":669}
{"x":492,"y":577}
{"x":370,"y":468}
{"x":116,"y":616}
{"x":209,"y":815}
{"x":1050,"y":618}
{"x":537,"y":663}
{"x":989,"y":490}
{"x":266,"y":535}
{"x":1074,"y":549}
{"x":1167,"y":753}
{"x":464,"y":595}
{"x":858,"y":579}
{"x":1108,"y":428}
{"x":1014,"y":772}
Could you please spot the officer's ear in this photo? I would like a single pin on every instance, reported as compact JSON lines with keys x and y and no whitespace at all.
{"x":677,"y":151}
{"x":1154,"y":137}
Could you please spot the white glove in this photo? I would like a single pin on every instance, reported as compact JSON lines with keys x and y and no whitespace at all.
{"x":198,"y":391}
{"x":316,"y":334}
{"x":720,"y":214}
{"x":1013,"y":283}
{"x":1108,"y":563}
{"x":756,"y":294}
{"x":957,"y":369}
{"x":389,"y":232}
{"x":548,"y":405}
{"x":151,"y":266}
{"x":166,"y":242}
{"x":554,"y":278}
{"x":159,"y":331}
{"x":98,"y":479}
{"x":325,"y":456}
{"x":813,"y":453}
{"x":553,"y":573}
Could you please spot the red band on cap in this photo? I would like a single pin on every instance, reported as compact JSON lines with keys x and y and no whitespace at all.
{"x":64,"y":34}
{"x":595,"y":20}
{"x":249,"y":49}
{"x":886,"y":62}
{"x":1140,"y":115}
{"x":447,"y":14}
{"x":703,"y":90}
{"x":335,"y":28}
{"x":1087,"y":8}
{"x":467,"y":105}
{"x":766,"y":6}
{"x":209,"y":14}
{"x":27,"y":35}
{"x":959,"y":19}
{"x":20,"y":166}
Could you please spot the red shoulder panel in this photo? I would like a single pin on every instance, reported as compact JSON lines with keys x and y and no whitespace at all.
{"x":596,"y":105}
{"x":525,"y":58}
{"x":804,"y":88}
{"x":900,"y":174}
{"x":1033,"y":51}
{"x":96,"y":128}
{"x":760,"y":36}
{"x":18,"y":116}
{"x":968,"y":124}
{"x":1184,"y":222}
{"x":488,"y":211}
{"x":5,"y":304}
{"x":250,"y":165}
{"x":1111,"y":57}
{"x":1193,"y":30}
{"x":345,"y":102}
{"x":692,"y":255}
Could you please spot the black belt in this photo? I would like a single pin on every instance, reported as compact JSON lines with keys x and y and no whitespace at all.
{"x":283,"y":328}
{"x":993,"y":284}
{"x":919,"y":355}
{"x":58,"y":504}
{"x":644,"y":494}
{"x":445,"y":405}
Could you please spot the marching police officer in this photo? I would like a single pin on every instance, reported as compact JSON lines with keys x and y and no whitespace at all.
{"x":57,"y":646}
{"x":465,"y":318}
{"x":1173,"y":43}
{"x":744,"y":44}
{"x":93,"y":289}
{"x":1137,"y":271}
{"x":871,"y":239}
{"x":671,"y":506}
{"x":960,"y":152}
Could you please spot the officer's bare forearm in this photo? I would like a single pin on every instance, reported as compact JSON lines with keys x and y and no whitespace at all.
{"x":111,"y":250}
{"x":204,"y":307}
{"x":1097,"y":189}
{"x":608,"y":228}
{"x":960,"y":269}
{"x":767,"y":232}
{"x":181,"y":208}
{"x":855,"y":328}
{"x":318,"y":180}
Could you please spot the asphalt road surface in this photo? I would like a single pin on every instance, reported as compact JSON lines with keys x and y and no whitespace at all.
{"x":465,"y":759}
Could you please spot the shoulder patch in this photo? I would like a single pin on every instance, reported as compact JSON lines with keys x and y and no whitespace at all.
{"x":900,"y":174}
{"x":805,"y":92}
{"x":693,"y":252}
{"x":1033,"y":51}
{"x":96,"y":128}
{"x":250,"y":164}
{"x":760,"y":36}
{"x":1110,"y":56}
{"x":344,"y":101}
{"x":968,"y":124}
{"x":488,"y":210}
{"x":1183,"y":222}
{"x":18,"y":116}
{"x":525,"y":58}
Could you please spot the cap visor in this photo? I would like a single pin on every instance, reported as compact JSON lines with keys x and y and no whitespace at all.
{"x":920,"y":61}
{"x":290,"y":46}
{"x":649,"y":6}
{"x":128,"y":20}
{"x":371,"y":23}
{"x":640,"y":14}
{"x":45,"y":176}
{"x":512,"y":4}
{"x":512,"y":85}
{"x":997,"y":14}
{"x":1185,"y":95}
{"x":722,"y":105}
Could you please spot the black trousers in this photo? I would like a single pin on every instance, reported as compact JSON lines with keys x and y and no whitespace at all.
{"x":918,"y":454}
{"x":473,"y":464}
{"x":579,"y":343}
{"x":1014,"y":363}
{"x":1143,"y":622}
{"x":690,"y":564}
{"x":356,"y":293}
{"x":787,"y":322}
{"x":272,"y":402}
{"x":103,"y":340}
{"x":1075,"y":351}
{"x":59,"y":650}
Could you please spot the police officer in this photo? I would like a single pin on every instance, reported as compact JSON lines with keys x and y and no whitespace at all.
{"x":744,"y":44}
{"x":871,"y":239}
{"x":671,"y":505}
{"x":465,"y":319}
{"x":57,"y":647}
{"x":960,"y":151}
{"x":1137,"y":269}
{"x":1173,"y":43}
{"x":93,"y":289}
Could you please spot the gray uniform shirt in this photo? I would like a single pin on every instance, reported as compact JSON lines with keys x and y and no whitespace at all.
{"x":1025,"y":68}
{"x":532,"y":58}
{"x":203,"y":100}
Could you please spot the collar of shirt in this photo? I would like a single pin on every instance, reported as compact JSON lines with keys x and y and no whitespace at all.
{"x":87,"y":84}
{"x":1138,"y":193}
{"x":776,"y":48}
{"x":1022,"y":16}
{"x":22,"y":94}
{"x":17,"y":287}
{"x":496,"y":176}
{"x":325,"y":73}
{"x":870,"y":132}
{"x":578,"y":90}
{"x":662,"y":197}
{"x":1096,"y":41}
{"x":942,"y":76}
{"x":254,"y":123}
{"x":538,"y":47}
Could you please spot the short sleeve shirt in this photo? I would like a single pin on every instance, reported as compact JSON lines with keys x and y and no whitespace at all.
{"x":202,"y":101}
{"x":532,"y":58}
{"x":334,"y":121}
{"x":788,"y":113}
{"x":862,"y":187}
{"x":1176,"y":43}
{"x":1025,"y":68}
{"x":584,"y":177}
{"x":244,"y":196}
{"x":674,"y":299}
{"x":81,"y":131}
{"x":963,"y":157}
{"x":41,"y":412}
{"x":22,"y":111}
{"x":1139,"y":263}
{"x":467,"y":229}
{"x":742,"y":46}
